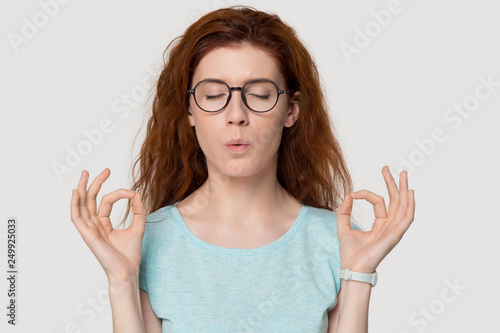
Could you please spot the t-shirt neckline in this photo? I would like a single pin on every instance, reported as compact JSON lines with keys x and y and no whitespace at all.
{"x":233,"y":251}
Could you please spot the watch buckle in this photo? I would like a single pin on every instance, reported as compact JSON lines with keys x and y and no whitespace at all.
{"x":347,"y":274}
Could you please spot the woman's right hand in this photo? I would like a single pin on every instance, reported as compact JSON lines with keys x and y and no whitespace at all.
{"x":117,"y":250}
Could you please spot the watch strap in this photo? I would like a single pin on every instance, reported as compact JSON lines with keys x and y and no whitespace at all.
{"x":347,"y":274}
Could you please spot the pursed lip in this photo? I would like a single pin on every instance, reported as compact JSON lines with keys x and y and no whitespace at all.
{"x":236,"y":142}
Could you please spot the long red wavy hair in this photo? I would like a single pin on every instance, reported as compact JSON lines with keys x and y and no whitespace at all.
{"x":311,"y":166}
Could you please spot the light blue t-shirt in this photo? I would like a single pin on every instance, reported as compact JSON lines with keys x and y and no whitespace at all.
{"x":288,"y":285}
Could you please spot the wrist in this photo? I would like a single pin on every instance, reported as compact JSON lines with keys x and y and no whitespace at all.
{"x":124,"y":276}
{"x":349,"y":275}
{"x":358,"y":268}
{"x":357,"y":285}
{"x":128,"y":282}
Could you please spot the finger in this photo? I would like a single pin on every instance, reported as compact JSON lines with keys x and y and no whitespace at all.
{"x":82,"y":194}
{"x":89,"y":218}
{"x":79,"y":223}
{"x":392,"y":189}
{"x":376,"y":200}
{"x":410,"y":210}
{"x":109,"y":199}
{"x":140,"y":213}
{"x":403,"y":194}
{"x":344,"y":214}
{"x":94,"y":189}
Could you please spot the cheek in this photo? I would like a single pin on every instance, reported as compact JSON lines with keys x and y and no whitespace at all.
{"x":205,"y":137}
{"x":210,"y":135}
{"x":268,"y":136}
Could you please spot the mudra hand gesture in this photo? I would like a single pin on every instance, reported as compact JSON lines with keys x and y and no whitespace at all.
{"x":362,"y":251}
{"x":118,"y":251}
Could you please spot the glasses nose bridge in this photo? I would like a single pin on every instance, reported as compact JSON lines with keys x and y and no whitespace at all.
{"x":231,"y":93}
{"x":236,"y":88}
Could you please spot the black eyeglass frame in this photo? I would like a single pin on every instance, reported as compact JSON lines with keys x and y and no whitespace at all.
{"x":280,"y":91}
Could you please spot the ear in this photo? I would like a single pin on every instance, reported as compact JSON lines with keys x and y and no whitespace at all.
{"x":293,"y":110}
{"x":190,"y":116}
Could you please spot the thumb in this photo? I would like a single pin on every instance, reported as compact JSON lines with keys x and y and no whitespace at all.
{"x":344,"y":214}
{"x":139,"y":218}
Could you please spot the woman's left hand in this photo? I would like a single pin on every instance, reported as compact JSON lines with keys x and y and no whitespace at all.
{"x":362,"y":251}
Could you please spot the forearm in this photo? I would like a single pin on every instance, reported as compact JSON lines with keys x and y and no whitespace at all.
{"x":353,"y":314}
{"x":126,"y":306}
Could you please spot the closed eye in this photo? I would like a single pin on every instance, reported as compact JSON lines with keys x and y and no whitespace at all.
{"x":214,"y":96}
{"x":260,"y":96}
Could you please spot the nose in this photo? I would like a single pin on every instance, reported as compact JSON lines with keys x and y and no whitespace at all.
{"x":236,"y":111}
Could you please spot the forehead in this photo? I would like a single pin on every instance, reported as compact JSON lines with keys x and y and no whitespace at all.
{"x":237,"y":65}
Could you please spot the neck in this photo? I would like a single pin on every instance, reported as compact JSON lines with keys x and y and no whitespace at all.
{"x":243,"y":201}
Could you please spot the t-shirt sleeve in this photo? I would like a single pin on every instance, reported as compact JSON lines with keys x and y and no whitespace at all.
{"x":143,"y":264}
{"x":355,"y":226}
{"x":142,"y":280}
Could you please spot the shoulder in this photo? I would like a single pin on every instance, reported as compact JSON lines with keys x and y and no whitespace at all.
{"x":160,"y":214}
{"x":326,"y":216}
{"x":319,"y":226}
{"x":321,"y":214}
{"x":164,"y":217}
{"x":160,"y":224}
{"x":321,"y":222}
{"x":161,"y":232}
{"x":320,"y":217}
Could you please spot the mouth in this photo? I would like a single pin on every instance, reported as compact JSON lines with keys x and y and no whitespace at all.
{"x":237,"y":147}
{"x":237,"y":142}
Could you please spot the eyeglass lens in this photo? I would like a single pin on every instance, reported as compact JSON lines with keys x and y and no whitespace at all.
{"x":258,"y":95}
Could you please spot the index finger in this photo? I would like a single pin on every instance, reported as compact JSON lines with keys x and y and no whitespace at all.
{"x":109,"y":199}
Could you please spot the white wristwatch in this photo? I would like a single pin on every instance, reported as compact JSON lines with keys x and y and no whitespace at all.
{"x":347,"y":274}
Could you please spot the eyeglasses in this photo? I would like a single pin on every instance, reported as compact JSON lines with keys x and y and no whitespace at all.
{"x":259,"y":95}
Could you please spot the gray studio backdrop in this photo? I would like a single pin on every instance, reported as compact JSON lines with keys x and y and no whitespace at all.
{"x":412,"y":84}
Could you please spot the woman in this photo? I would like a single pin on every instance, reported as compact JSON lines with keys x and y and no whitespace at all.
{"x":241,"y":175}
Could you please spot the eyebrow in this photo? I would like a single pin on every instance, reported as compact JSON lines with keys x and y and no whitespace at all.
{"x":247,"y":79}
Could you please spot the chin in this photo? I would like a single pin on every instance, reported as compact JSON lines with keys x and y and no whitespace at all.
{"x":236,"y":169}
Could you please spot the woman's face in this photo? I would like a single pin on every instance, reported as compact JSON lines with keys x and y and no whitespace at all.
{"x":263,"y":131}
